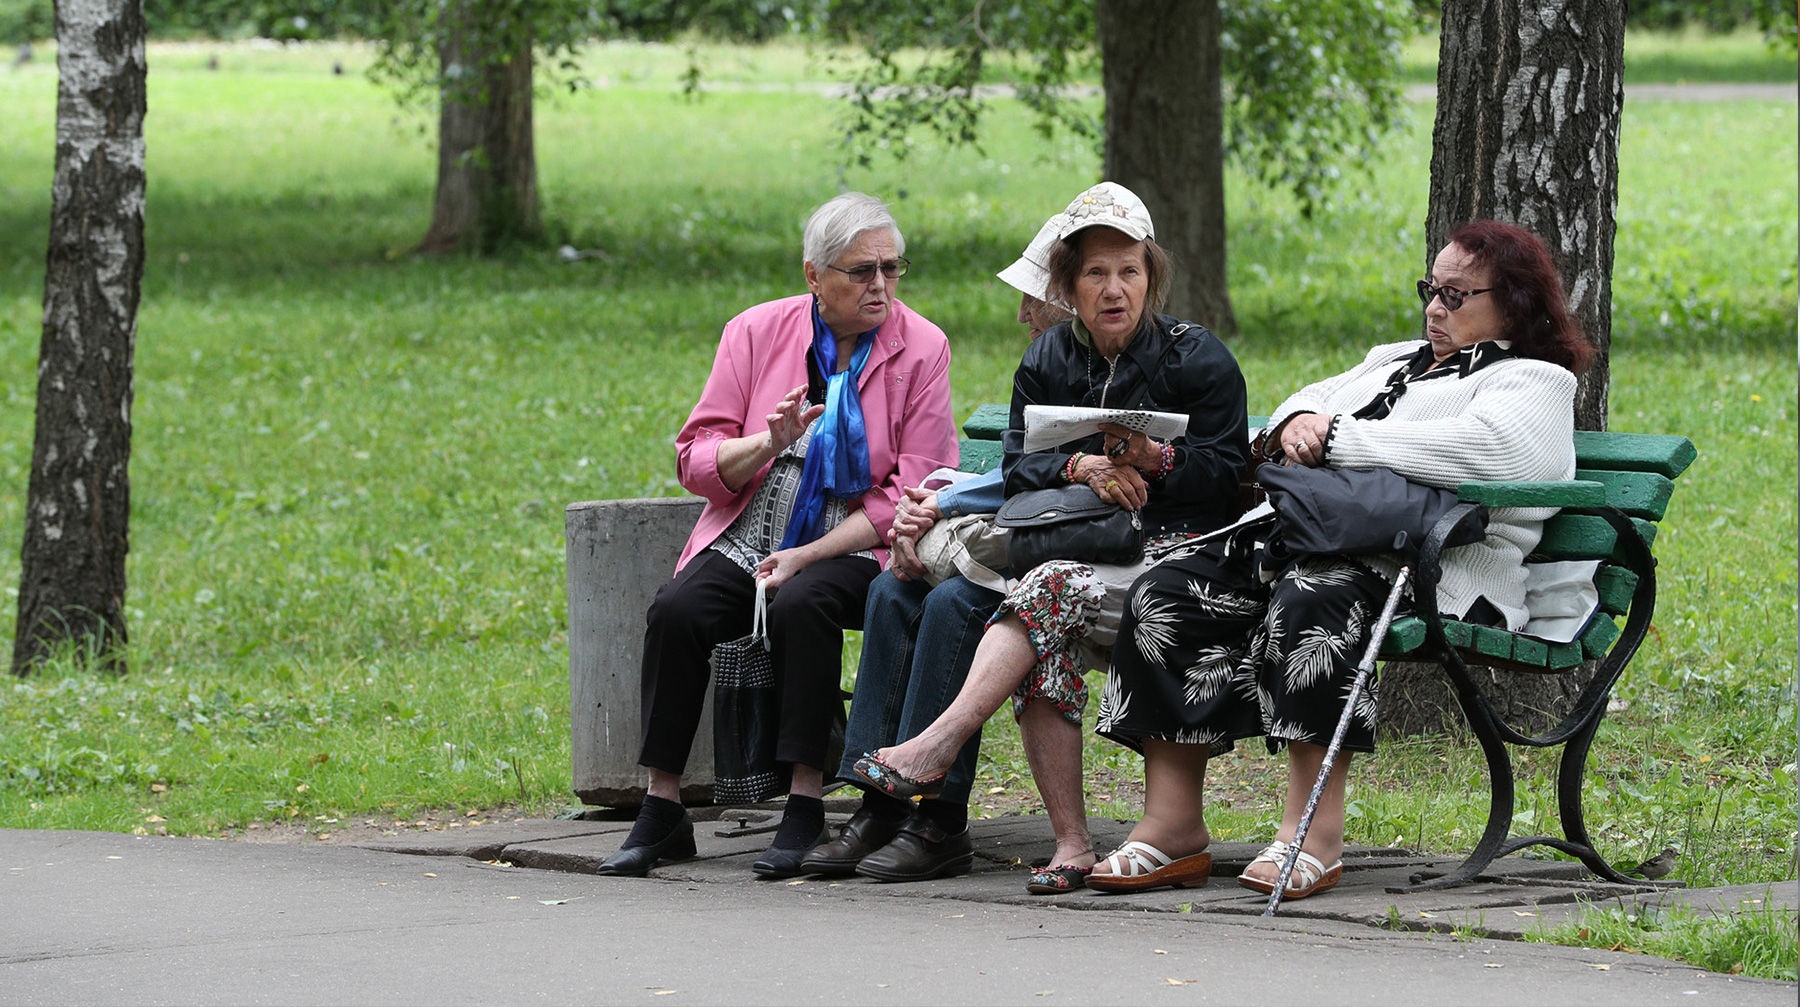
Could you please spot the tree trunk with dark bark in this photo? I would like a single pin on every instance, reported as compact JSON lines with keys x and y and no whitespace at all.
{"x":78,"y":505}
{"x":1165,"y":130}
{"x":487,"y":165}
{"x":1528,"y":109}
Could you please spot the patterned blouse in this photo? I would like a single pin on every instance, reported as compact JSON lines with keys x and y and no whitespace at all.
{"x":758,"y":531}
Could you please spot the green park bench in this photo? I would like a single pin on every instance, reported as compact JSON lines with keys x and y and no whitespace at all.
{"x":1609,"y":512}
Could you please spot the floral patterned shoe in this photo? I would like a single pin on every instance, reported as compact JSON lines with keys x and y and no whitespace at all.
{"x":1057,"y":880}
{"x":893,"y":783}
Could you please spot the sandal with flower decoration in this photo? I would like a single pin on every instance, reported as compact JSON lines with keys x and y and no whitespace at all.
{"x":1059,"y":879}
{"x":890,"y":781}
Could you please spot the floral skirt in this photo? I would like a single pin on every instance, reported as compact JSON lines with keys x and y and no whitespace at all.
{"x":1071,"y":611}
{"x":1209,"y":654}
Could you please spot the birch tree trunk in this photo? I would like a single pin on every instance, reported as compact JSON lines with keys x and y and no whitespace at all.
{"x":78,"y":506}
{"x":1165,"y":139}
{"x":487,"y":162}
{"x":1528,"y":109}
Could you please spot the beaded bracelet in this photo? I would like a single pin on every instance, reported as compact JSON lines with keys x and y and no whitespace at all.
{"x":1069,"y":468}
{"x":1168,"y":461}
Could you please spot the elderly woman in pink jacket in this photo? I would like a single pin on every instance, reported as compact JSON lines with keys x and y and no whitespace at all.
{"x":819,"y":410}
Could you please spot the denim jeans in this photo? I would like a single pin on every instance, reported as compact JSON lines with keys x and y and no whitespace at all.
{"x":918,"y":644}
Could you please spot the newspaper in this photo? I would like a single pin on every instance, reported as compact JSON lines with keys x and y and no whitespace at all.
{"x":1048,"y":426}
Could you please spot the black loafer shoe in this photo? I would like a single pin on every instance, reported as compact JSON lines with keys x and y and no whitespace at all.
{"x":779,"y":863}
{"x":863,"y":835}
{"x":922,"y":851}
{"x":637,"y":861}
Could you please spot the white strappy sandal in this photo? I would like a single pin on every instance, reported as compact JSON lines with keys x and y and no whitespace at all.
{"x":1310,"y":876}
{"x":1136,"y":866}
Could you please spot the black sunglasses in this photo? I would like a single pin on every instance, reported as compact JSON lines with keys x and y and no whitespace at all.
{"x":1452,"y":297}
{"x":893,"y":269}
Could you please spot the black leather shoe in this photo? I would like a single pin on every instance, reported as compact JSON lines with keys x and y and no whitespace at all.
{"x":863,"y":835}
{"x":637,"y":861}
{"x":780,"y":863}
{"x":922,"y":851}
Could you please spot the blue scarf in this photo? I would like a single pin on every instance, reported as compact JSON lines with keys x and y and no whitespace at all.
{"x":837,"y":460}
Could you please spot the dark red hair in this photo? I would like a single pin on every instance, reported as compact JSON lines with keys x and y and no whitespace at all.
{"x":1528,"y":290}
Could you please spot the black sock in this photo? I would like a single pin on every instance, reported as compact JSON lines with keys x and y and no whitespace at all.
{"x":655,"y":821}
{"x":951,"y":816}
{"x":885,"y":809}
{"x":801,"y":823}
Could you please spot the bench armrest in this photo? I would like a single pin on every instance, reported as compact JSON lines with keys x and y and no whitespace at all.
{"x":1546,"y":493}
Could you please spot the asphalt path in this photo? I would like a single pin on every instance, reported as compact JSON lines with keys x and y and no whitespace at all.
{"x":107,"y":918}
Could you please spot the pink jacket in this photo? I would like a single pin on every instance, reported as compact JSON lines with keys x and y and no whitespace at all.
{"x":905,"y":390}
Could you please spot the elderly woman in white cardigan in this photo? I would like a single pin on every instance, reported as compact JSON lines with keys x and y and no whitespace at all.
{"x":1209,"y":653}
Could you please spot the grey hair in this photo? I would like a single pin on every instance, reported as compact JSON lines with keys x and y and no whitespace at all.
{"x":835,"y":225}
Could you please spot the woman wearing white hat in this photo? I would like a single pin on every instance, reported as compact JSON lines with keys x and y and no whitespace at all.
{"x":1063,"y":617}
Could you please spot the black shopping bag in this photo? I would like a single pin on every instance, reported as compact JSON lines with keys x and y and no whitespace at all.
{"x":746,"y":718}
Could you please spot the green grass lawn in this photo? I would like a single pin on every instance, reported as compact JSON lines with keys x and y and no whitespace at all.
{"x":350,"y":464}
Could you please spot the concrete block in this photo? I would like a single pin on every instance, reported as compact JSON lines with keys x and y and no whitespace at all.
{"x":619,"y":552}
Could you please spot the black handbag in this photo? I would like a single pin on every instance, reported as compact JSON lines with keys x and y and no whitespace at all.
{"x":1068,"y":522}
{"x":1350,"y":511}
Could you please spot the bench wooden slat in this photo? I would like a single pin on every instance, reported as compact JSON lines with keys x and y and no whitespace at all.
{"x":1576,"y":536}
{"x":1616,"y":586}
{"x":1639,"y":494}
{"x":1666,"y":455}
{"x":1405,"y":634}
{"x":988,"y":421}
{"x":1559,"y":493}
{"x":1584,"y":536}
{"x":978,"y":456}
{"x":1599,"y":636}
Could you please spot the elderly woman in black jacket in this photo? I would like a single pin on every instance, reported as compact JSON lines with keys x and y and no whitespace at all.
{"x":1062,"y":618}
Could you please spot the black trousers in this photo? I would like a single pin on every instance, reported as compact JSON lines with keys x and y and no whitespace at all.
{"x":710,"y":602}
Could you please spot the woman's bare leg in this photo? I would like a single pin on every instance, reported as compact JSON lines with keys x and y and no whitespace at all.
{"x":665,"y":785}
{"x":807,"y":781}
{"x":1053,"y":749}
{"x":1002,"y":661}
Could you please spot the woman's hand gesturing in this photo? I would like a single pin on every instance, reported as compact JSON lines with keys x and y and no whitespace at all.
{"x":790,"y":419}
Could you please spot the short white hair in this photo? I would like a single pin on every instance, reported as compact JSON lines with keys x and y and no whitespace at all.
{"x":835,"y":225}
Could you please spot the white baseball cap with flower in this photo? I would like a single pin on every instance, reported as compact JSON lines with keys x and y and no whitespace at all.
{"x":1108,"y":204}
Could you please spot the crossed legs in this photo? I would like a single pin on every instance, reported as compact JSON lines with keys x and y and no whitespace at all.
{"x":1052,"y":742}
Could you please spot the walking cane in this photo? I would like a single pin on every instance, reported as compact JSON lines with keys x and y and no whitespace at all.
{"x":1363,"y":671}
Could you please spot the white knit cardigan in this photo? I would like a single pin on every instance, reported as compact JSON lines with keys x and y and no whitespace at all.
{"x":1513,"y":419}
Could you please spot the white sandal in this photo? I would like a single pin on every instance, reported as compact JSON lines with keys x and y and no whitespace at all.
{"x":1310,"y":876}
{"x":1136,"y":866}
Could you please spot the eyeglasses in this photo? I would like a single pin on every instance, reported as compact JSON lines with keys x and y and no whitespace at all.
{"x":1452,"y":297}
{"x":893,"y":269}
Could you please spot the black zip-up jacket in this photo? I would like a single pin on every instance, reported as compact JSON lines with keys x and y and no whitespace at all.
{"x":1169,"y":366}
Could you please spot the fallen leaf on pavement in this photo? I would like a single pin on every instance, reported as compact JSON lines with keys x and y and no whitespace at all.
{"x":430,"y":875}
{"x":1159,"y":951}
{"x":1597,"y":965}
{"x":1517,"y":912}
{"x":1492,"y":965}
{"x":1173,"y":982}
{"x":557,"y":902}
{"x":1426,"y":915}
{"x":791,"y":884}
